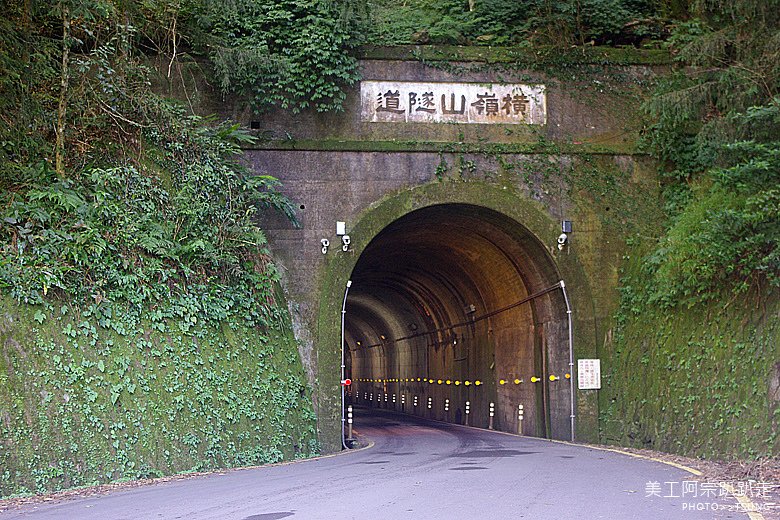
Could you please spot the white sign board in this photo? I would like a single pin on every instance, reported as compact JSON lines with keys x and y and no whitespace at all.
{"x":411,"y":102}
{"x":589,"y":374}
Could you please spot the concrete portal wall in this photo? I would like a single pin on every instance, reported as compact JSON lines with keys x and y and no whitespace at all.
{"x":594,"y":105}
{"x":337,"y":168}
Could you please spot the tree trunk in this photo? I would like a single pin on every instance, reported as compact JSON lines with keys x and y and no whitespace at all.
{"x":59,"y":147}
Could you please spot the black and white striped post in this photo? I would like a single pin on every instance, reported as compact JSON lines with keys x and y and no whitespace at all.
{"x":520,"y":412}
{"x":349,"y":422}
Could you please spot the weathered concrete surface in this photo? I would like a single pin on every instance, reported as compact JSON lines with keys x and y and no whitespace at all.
{"x":338,"y":168}
{"x":594,"y":108}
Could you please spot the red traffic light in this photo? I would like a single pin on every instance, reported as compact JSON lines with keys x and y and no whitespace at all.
{"x":346,"y":382}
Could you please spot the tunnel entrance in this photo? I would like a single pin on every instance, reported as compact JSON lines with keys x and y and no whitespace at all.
{"x":454,"y":307}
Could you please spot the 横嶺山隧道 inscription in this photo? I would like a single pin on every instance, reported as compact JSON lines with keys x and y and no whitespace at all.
{"x":411,"y":102}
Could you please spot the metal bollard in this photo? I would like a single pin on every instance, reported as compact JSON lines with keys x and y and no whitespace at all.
{"x":519,"y":419}
{"x":468,"y":411}
{"x":492,"y":413}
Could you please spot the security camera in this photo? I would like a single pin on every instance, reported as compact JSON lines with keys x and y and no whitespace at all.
{"x":345,"y":240}
{"x":562,"y":239}
{"x":325,"y":243}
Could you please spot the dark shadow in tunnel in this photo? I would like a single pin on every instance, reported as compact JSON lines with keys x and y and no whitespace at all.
{"x":454,"y":307}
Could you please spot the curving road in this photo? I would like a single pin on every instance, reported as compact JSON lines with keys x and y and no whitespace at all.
{"x":418,"y":470}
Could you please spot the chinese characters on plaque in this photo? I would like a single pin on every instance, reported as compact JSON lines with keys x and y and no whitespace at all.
{"x":589,"y":374}
{"x":408,"y":102}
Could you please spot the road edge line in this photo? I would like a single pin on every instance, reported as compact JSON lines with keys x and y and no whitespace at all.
{"x":750,"y":508}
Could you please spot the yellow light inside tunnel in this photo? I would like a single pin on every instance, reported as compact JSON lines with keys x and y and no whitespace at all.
{"x":554,"y":378}
{"x":535,"y":379}
{"x":477,"y":383}
{"x":448,"y":381}
{"x":518,"y":381}
{"x":430,"y":381}
{"x":438,"y":382}
{"x":567,"y":376}
{"x":501,"y":382}
{"x":457,"y":383}
{"x":418,"y":379}
{"x":467,"y":383}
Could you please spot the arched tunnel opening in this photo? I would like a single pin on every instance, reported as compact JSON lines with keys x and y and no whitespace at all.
{"x":455,"y":307}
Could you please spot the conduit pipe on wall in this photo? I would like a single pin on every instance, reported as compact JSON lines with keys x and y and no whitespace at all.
{"x":571,"y":357}
{"x":343,"y":366}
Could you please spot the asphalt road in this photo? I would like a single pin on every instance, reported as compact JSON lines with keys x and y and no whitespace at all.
{"x":416,"y":470}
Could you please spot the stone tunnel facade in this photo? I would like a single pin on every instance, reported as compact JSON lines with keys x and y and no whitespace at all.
{"x":453,"y":255}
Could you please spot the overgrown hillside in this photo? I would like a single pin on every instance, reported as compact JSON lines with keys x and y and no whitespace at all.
{"x":141,"y":326}
{"x":694,"y":359}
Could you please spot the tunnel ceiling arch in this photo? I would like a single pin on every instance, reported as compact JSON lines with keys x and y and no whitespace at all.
{"x":463,"y":296}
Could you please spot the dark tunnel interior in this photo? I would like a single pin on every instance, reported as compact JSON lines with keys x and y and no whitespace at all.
{"x":456,"y":307}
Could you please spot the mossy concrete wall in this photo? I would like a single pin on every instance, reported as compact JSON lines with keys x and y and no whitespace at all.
{"x":82,"y":404}
{"x":702,"y":381}
{"x":605,"y":196}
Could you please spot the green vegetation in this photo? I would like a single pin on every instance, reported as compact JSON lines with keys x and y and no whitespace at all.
{"x":700,"y":301}
{"x":291,"y":54}
{"x":141,"y":329}
{"x":87,"y":396}
{"x":518,"y":22}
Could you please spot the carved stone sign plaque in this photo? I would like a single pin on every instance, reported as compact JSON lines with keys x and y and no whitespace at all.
{"x":410,"y":102}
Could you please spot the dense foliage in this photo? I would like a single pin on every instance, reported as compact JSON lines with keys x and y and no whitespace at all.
{"x":717,"y":130}
{"x":89,"y":397}
{"x":138,"y":304}
{"x":290,"y":54}
{"x":138,"y":201}
{"x":518,"y":22}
